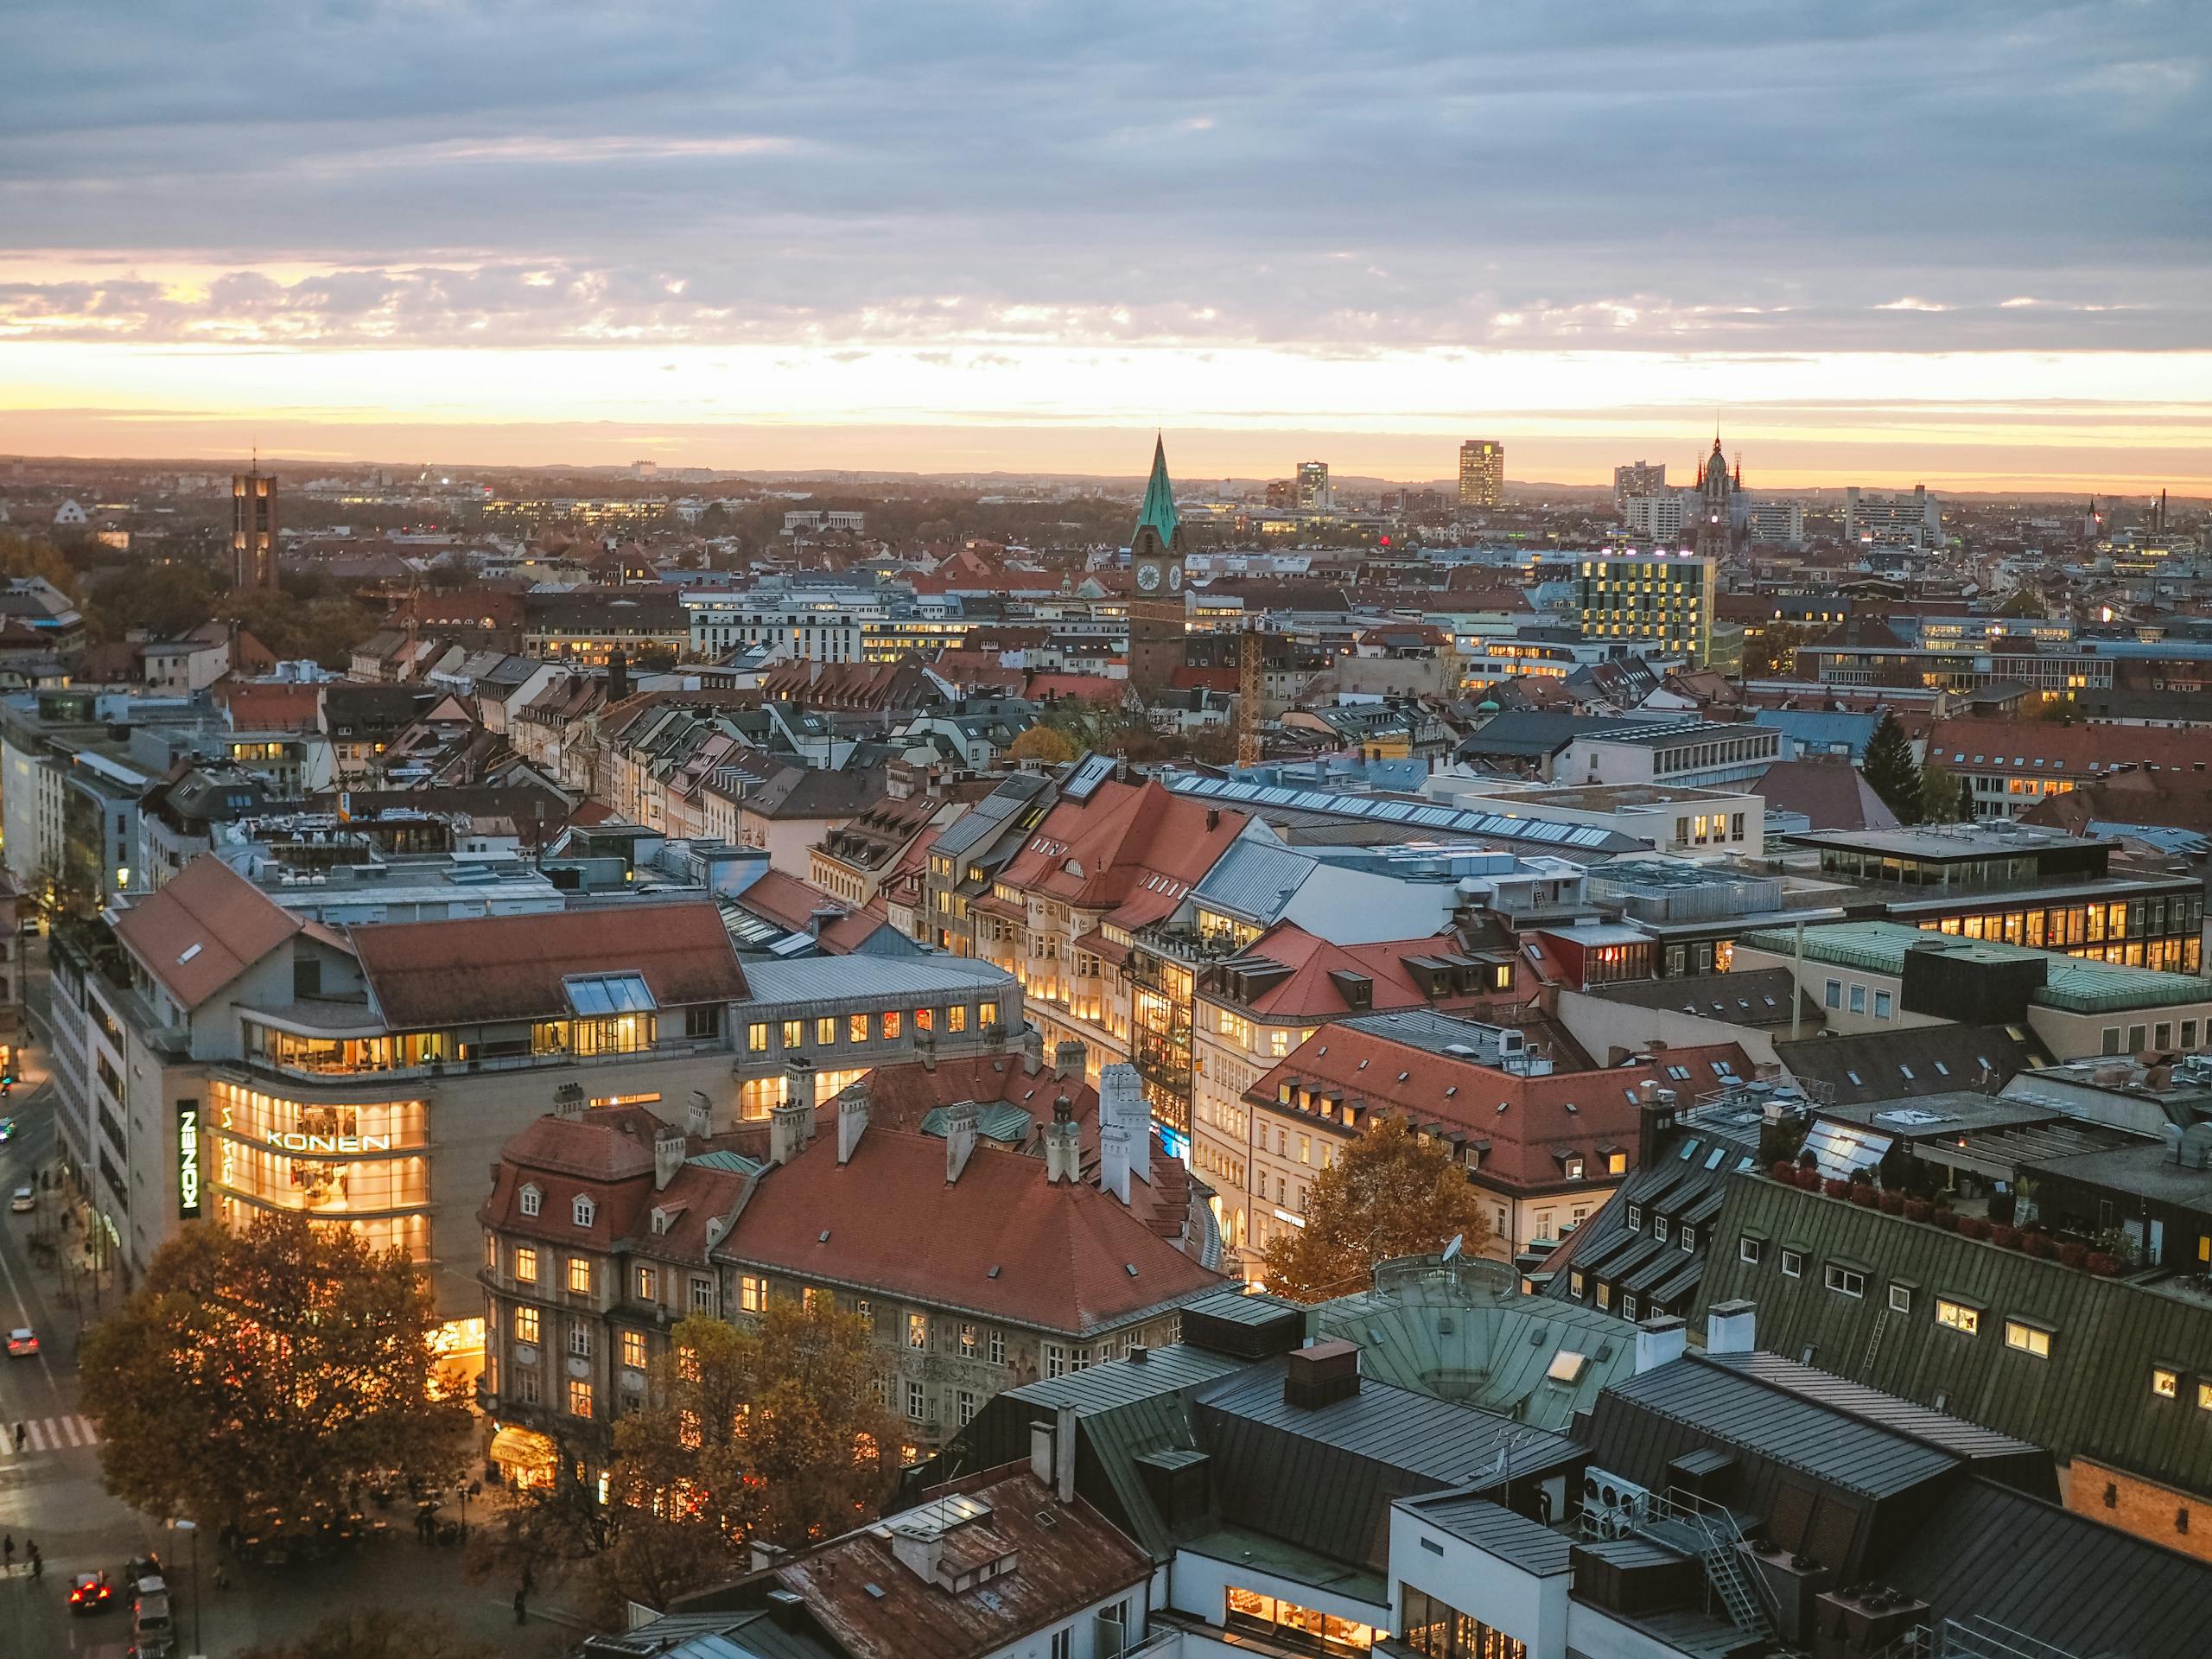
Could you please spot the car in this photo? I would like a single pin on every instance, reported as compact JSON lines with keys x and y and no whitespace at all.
{"x":150,"y":1615}
{"x":139,"y":1568}
{"x":22,"y":1343}
{"x":24,"y":1202}
{"x":7,"y":1130}
{"x":90,"y":1592}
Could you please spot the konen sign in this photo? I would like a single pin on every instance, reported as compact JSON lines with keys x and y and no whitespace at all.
{"x":333,"y":1144}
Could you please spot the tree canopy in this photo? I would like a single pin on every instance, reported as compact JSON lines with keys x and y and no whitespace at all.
{"x":264,"y":1372}
{"x":1891,"y":772}
{"x":1043,"y":743}
{"x":1390,"y":1193}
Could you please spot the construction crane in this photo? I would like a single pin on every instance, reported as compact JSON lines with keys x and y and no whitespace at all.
{"x":1248,"y":681}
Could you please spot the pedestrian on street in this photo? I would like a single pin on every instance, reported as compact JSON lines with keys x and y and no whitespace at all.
{"x":19,"y":1437}
{"x":529,"y":1579}
{"x":519,"y":1595}
{"x":38,"y":1562}
{"x":8,"y":1553}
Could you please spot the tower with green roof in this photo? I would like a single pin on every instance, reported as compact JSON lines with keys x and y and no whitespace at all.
{"x":1156,"y":550}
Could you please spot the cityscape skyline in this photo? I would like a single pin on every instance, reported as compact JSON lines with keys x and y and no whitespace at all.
{"x":744,"y":245}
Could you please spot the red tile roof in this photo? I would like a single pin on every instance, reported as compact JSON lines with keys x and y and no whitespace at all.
{"x":1061,"y":1252}
{"x":204,"y":929}
{"x":606,"y":1155}
{"x":2066,"y":751}
{"x":1088,"y":688}
{"x":493,"y":968}
{"x":1135,"y":849}
{"x":1523,"y":1124}
{"x":1309,"y":993}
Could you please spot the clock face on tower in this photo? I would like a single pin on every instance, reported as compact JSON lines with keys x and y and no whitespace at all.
{"x":1174,"y":578}
{"x":1149,"y":577}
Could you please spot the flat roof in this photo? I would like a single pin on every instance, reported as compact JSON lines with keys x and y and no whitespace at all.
{"x":1948,"y":1112}
{"x":2074,"y":984}
{"x":1953,"y":841}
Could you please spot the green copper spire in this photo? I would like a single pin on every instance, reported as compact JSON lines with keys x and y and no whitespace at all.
{"x":1159,"y":509}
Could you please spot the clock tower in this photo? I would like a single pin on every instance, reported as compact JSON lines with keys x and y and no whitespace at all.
{"x":1156,"y":549}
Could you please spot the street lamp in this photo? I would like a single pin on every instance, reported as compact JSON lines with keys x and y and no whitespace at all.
{"x":193,"y":1527}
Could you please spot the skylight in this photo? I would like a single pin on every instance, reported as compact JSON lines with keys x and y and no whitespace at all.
{"x":594,"y":994}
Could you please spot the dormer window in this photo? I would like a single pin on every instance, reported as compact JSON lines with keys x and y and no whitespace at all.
{"x":582,"y":1210}
{"x":1659,"y":1228}
{"x":1636,"y":1218}
{"x":532,"y":1200}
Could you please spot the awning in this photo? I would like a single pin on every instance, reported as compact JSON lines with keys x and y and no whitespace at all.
{"x":525,"y":1446}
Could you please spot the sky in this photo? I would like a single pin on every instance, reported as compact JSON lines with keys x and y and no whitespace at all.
{"x":1950,"y":242}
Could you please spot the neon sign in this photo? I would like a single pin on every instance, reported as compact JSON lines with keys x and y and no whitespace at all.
{"x":187,"y":1159}
{"x":329,"y":1143}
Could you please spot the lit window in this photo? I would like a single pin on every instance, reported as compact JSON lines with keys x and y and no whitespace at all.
{"x":969,"y":1336}
{"x":856,"y":1028}
{"x":794,"y":1034}
{"x":648,"y":1285}
{"x":756,"y":1038}
{"x":956,"y":1017}
{"x":918,"y":1331}
{"x":633,"y":1349}
{"x":2165,"y":1382}
{"x":1616,"y":1163}
{"x":580,"y":1276}
{"x":526,"y":1265}
{"x":1957,"y":1316}
{"x":751,"y":1293}
{"x":2028,"y":1338}
{"x":891,"y":1025}
{"x":579,"y":1397}
{"x":525,"y":1325}
{"x":825,"y":1030}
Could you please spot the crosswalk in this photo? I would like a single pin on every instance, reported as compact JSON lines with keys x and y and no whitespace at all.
{"x":43,"y":1434}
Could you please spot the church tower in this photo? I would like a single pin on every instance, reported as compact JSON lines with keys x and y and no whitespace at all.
{"x":1716,"y":504}
{"x":1156,"y":550}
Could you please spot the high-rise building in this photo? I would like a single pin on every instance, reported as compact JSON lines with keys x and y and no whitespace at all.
{"x":1313,"y":486}
{"x":1911,"y":521}
{"x":1662,"y":603}
{"x":253,"y":530}
{"x":1663,"y":517}
{"x":1637,"y":477}
{"x":1156,"y":551}
{"x":1482,"y":472}
{"x":1776,"y":523}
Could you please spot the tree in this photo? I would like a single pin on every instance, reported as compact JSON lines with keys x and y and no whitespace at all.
{"x":267,"y":1372}
{"x":1945,"y":797}
{"x":769,"y":1431}
{"x":1892,"y":772}
{"x":1043,"y":743}
{"x":1390,"y":1193}
{"x":378,"y":1636}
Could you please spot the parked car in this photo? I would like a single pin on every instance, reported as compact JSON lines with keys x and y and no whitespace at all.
{"x":90,"y":1592}
{"x":150,"y":1615}
{"x":24,"y":1202}
{"x":22,"y":1343}
{"x":7,"y":1130}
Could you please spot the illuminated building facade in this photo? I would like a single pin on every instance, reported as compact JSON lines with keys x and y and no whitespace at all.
{"x":1651,"y":600}
{"x":253,"y":530}
{"x":1482,"y":472}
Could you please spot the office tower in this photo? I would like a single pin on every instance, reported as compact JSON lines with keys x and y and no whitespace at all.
{"x":1912,"y":520}
{"x":253,"y":528}
{"x":1314,"y":485}
{"x":1637,"y":477}
{"x":1663,"y":517}
{"x":1482,"y":472}
{"x":1156,"y":551}
{"x":1653,"y":601}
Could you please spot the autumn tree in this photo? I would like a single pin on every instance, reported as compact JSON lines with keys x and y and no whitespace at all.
{"x":1891,"y":772}
{"x":267,"y":1372}
{"x":768,"y":1431}
{"x":1390,"y":1193}
{"x":378,"y":1635}
{"x":1054,"y":749}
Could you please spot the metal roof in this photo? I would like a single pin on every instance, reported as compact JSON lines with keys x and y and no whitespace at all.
{"x":2077,"y":984}
{"x":1255,"y":879}
{"x":1936,"y":1429}
{"x":817,"y":979}
{"x":1424,"y":816}
{"x":1495,"y":1530}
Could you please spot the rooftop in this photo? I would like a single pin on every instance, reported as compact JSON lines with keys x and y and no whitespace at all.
{"x":2076,"y":984}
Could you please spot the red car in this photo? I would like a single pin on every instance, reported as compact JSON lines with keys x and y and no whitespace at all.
{"x":90,"y":1592}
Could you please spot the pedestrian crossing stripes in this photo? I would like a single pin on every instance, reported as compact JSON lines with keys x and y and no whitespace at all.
{"x":46,"y":1434}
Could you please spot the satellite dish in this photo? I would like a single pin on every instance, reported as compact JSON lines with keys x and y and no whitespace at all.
{"x":1452,"y":1250}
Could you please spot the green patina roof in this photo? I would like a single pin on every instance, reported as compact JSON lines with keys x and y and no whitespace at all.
{"x":735,"y":1162}
{"x":1159,"y":509}
{"x":996,"y":1121}
{"x":2077,"y":984}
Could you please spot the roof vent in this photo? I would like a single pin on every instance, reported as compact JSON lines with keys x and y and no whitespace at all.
{"x":1129,"y":1268}
{"x":822,"y":1237}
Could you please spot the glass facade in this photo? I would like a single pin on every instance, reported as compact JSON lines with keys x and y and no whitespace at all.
{"x":1442,"y":1632}
{"x":362,"y":1163}
{"x":1290,"y":1625}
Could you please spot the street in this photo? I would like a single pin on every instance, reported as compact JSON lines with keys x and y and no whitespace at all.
{"x":51,"y":1493}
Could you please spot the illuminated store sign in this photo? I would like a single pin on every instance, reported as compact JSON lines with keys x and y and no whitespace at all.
{"x":187,"y":1159}
{"x":329,"y":1143}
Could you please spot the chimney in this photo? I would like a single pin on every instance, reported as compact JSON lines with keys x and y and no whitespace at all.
{"x":791,"y":1126}
{"x":699,"y":1116}
{"x":1730,"y":1328}
{"x":1071,"y":1060}
{"x":668,"y":1154}
{"x":1659,"y":1340}
{"x":925,"y":1049}
{"x":1655,"y":1121}
{"x":617,"y":676}
{"x":1033,"y":1050}
{"x":852,"y":1120}
{"x":959,"y":1138}
{"x":1063,"y":1454}
{"x":1117,"y":1084}
{"x":1320,"y":1374}
{"x":1063,"y":1144}
{"x":766,"y":1555}
{"x":569,"y":1101}
{"x":1040,"y":1452}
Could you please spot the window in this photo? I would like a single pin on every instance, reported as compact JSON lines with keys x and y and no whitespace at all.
{"x":856,"y":1028}
{"x":1749,"y":1250}
{"x":794,"y":1034}
{"x":1575,"y":1283}
{"x":816,"y":1297}
{"x":579,"y":1397}
{"x":916,"y":1403}
{"x":1617,"y":1163}
{"x":756,"y":1038}
{"x":964,"y":1408}
{"x":526,"y":1325}
{"x":1628,"y":1307}
{"x":703,"y":1295}
{"x":969,"y":1334}
{"x":998,"y":1347}
{"x":825,"y":1030}
{"x":579,"y":1275}
{"x":1900,"y":1299}
{"x":1063,"y":1644}
{"x":918,"y":1331}
{"x":1636,"y":1218}
{"x":648,"y":1285}
{"x":1659,"y":1228}
{"x":2204,"y":1396}
{"x":1605,"y":1296}
{"x":1833,"y":997}
{"x":1845,"y":1282}
{"x":1056,"y":1360}
{"x":1793,"y":1264}
{"x":1957,"y":1316}
{"x":1688,"y":1237}
{"x":581,"y":1211}
{"x":526,"y":1265}
{"x":532,"y":1200}
{"x":891,"y":1019}
{"x":751,"y":1293}
{"x":491,"y":1252}
{"x":527,"y":1391}
{"x":2165,"y":1381}
{"x":1881,"y":1005}
{"x":579,"y":1338}
{"x":956,"y":1017}
{"x":2028,"y":1338}
{"x":633,"y":1349}
{"x":1859,"y":999}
